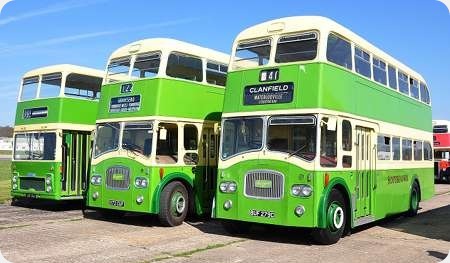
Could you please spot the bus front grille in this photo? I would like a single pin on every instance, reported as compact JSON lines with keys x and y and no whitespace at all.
{"x":37,"y":184}
{"x":118,"y":178}
{"x":264,"y":184}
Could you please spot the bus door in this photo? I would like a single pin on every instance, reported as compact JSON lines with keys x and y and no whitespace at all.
{"x":75,"y":161}
{"x":209,"y":155}
{"x":365,"y":176}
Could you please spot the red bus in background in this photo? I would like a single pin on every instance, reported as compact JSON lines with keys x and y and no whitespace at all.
{"x":441,"y":140}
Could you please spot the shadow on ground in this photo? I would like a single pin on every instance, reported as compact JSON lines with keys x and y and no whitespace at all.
{"x":49,"y":205}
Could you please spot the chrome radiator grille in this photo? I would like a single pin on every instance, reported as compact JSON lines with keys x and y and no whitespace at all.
{"x":264,"y":184}
{"x":118,"y":178}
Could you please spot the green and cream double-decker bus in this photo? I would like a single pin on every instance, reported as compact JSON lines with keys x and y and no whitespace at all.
{"x":55,"y":117}
{"x":156,"y":138}
{"x":320,"y":129}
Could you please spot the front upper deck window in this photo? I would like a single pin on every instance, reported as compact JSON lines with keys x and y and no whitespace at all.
{"x":82,"y":86}
{"x":29,"y":88}
{"x":35,"y":146}
{"x":295,"y":135}
{"x":414,"y":84}
{"x":107,"y":138}
{"x":424,"y":95}
{"x":184,"y":66}
{"x":51,"y":85}
{"x":299,"y":47}
{"x":138,"y":137}
{"x":118,"y":69}
{"x":241,"y":135}
{"x":252,"y":54}
{"x":146,"y":65}
{"x":339,"y":51}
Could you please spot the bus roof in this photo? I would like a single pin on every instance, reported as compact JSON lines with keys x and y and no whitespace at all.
{"x":168,"y":44}
{"x":294,"y":24}
{"x":441,"y":122}
{"x":65,"y":68}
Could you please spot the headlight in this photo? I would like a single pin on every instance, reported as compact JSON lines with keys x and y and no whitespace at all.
{"x":15,"y":186}
{"x":141,"y":182}
{"x":48,"y":180}
{"x":96,"y":180}
{"x":14,"y":179}
{"x":302,"y":190}
{"x":228,"y":187}
{"x":49,"y":189}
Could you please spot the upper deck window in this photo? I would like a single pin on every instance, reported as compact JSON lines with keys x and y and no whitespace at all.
{"x":29,"y":88}
{"x":379,"y":71}
{"x":440,"y":129}
{"x":392,"y":72}
{"x":146,"y":65}
{"x":82,"y":86}
{"x":184,"y":67}
{"x":414,"y":84}
{"x":118,"y":68}
{"x":252,"y":54}
{"x":403,"y":83}
{"x":216,"y":73}
{"x":299,"y":47}
{"x":424,"y":95}
{"x":362,"y":62}
{"x":51,"y":85}
{"x":339,"y":51}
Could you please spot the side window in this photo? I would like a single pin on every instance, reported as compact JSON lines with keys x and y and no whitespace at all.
{"x":427,"y":151}
{"x":146,"y":65}
{"x":417,"y":151}
{"x":216,"y":73}
{"x":384,"y":147}
{"x":414,"y":84}
{"x":395,"y":148}
{"x":392,"y":77}
{"x":362,"y":62}
{"x":379,"y":71}
{"x":328,"y":141}
{"x":167,"y":147}
{"x":346,"y":143}
{"x":424,"y":95}
{"x":190,"y":145}
{"x":82,"y":86}
{"x":406,"y":150}
{"x":29,"y":88}
{"x":339,"y":51}
{"x":51,"y":85}
{"x":403,"y":83}
{"x":299,"y":47}
{"x":184,"y":67}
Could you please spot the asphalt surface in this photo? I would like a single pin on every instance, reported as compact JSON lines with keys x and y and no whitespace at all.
{"x":47,"y":232}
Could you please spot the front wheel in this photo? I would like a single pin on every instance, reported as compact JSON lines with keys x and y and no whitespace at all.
{"x":173,"y":204}
{"x":336,"y":219}
{"x":414,"y":200}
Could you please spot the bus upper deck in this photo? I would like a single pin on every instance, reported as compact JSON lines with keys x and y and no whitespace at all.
{"x":441,"y":138}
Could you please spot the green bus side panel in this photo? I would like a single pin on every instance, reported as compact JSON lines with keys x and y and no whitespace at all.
{"x":166,"y":97}
{"x":321,"y":85}
{"x":60,"y":110}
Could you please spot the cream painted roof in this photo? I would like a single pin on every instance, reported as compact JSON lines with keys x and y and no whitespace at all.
{"x":167,"y":44}
{"x":65,"y":68}
{"x":324,"y":25}
{"x":441,"y":122}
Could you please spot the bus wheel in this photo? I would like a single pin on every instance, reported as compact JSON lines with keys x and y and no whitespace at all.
{"x":174,"y":204}
{"x":336,"y":219}
{"x":414,"y":200}
{"x":236,"y":227}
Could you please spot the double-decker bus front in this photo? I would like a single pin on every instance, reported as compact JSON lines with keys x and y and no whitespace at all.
{"x":306,"y":139}
{"x":441,"y":138}
{"x":156,"y":136}
{"x":54,"y":119}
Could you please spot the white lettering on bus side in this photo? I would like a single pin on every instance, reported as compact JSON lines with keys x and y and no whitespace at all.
{"x":275,"y":88}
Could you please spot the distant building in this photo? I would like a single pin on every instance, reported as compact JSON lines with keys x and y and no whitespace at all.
{"x":6,"y":144}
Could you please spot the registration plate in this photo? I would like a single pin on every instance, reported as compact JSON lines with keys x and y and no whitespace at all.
{"x":259,"y":213}
{"x":117,"y":203}
{"x":31,"y":196}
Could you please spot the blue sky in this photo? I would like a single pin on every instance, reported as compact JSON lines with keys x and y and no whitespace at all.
{"x":39,"y":33}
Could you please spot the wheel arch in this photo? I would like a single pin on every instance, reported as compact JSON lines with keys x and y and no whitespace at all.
{"x":180,"y":177}
{"x":340,"y":185}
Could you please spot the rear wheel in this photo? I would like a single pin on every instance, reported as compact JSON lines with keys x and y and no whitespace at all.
{"x":414,"y":200}
{"x":174,"y":202}
{"x":336,"y":219}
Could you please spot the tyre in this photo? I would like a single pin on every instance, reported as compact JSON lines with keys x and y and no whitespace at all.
{"x":173,"y":204}
{"x":336,"y":220}
{"x":414,"y":200}
{"x":236,"y":227}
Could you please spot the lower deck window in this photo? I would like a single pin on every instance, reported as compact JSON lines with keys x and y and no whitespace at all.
{"x":328,"y":139}
{"x":167,"y":148}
